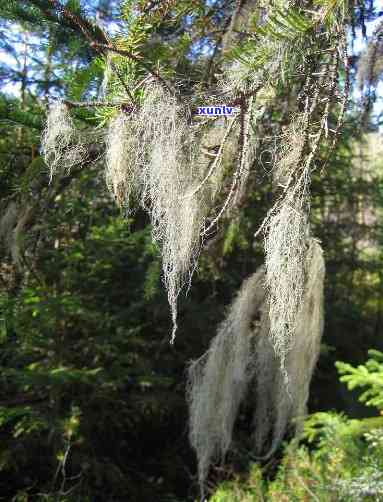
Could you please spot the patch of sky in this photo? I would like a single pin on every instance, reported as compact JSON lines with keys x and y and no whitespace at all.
{"x":18,"y":49}
{"x":356,"y":46}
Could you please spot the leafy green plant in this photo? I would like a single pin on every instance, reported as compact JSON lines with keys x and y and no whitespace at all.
{"x":368,"y":376}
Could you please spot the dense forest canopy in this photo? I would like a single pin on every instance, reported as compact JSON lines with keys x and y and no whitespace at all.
{"x":207,"y":173}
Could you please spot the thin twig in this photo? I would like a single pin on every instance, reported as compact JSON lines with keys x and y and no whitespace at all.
{"x":249,"y":94}
{"x":244,"y":141}
{"x":310,"y":492}
{"x":236,"y":176}
{"x":309,"y":110}
{"x":91,"y":104}
{"x":215,"y":162}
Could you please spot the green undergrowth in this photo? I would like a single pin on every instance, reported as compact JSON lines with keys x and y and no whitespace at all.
{"x":345,"y":467}
{"x":339,"y":459}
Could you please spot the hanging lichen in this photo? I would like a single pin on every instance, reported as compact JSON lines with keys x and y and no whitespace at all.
{"x":61,"y":144}
{"x":279,"y":405}
{"x":241,"y":353}
{"x":217,"y":381}
{"x":155,"y":157}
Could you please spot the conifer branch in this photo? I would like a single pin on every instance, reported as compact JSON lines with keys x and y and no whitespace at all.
{"x":133,"y":57}
{"x":94,"y":35}
{"x":79,"y":23}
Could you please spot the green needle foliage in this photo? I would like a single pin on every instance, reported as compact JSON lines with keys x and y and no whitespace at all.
{"x":368,"y":375}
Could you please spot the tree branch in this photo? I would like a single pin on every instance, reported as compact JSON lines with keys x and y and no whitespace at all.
{"x":133,"y":57}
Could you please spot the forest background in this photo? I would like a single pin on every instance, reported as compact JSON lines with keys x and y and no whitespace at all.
{"x":92,"y":396}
